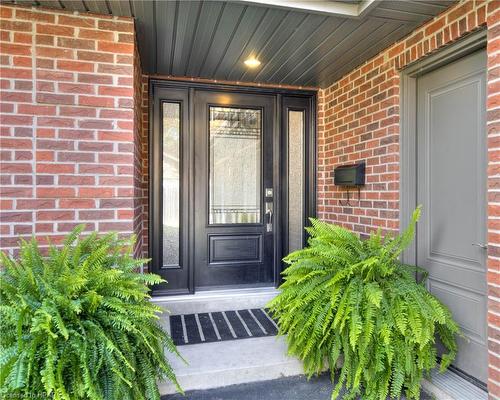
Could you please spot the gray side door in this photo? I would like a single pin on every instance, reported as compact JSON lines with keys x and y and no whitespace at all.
{"x":451,"y":186}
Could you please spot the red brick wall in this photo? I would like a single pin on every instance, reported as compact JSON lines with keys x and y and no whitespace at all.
{"x":358,"y":119}
{"x":144,"y":110}
{"x":67,"y":124}
{"x":140,"y":195}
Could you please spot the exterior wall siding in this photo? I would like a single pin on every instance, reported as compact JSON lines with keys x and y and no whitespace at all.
{"x":68,"y":129}
{"x":358,"y":119}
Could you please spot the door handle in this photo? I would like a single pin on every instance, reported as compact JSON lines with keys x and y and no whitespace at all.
{"x":269,"y":215}
{"x":481,"y":245}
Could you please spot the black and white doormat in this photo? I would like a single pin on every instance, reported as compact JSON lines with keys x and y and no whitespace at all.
{"x":221,"y":325}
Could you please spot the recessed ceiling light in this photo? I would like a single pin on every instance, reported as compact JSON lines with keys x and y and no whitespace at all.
{"x":252,"y":62}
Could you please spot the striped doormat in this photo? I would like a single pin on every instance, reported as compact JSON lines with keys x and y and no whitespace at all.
{"x":222,"y":325}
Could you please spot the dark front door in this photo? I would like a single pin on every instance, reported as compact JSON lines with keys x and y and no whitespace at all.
{"x":233,"y":189}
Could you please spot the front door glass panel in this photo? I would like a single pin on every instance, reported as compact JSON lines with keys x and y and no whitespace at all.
{"x":235,"y":165}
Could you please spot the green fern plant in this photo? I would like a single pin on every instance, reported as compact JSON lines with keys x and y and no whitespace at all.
{"x":78,"y":323}
{"x":351,"y":302}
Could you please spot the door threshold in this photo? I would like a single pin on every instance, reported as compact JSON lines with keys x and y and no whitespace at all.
{"x":217,"y":294}
{"x":451,"y":386}
{"x":220,"y":300}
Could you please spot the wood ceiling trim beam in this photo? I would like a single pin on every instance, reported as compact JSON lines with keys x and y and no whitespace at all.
{"x":331,"y":8}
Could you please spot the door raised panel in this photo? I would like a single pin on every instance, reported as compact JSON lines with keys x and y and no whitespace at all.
{"x":235,"y":249}
{"x":453,"y":168}
{"x":464,"y":305}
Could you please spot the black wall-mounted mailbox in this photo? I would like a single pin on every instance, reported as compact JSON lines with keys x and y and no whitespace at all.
{"x":350,"y":175}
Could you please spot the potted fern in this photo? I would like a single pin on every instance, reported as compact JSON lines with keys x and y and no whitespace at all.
{"x":351,"y":303}
{"x":78,"y":323}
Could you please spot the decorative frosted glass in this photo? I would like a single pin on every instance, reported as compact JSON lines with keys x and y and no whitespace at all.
{"x":295,"y":179}
{"x":235,"y":165}
{"x":171,"y":183}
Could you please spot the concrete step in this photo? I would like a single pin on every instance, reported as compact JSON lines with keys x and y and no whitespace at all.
{"x":451,"y":386}
{"x":219,"y":364}
{"x":217,"y":300}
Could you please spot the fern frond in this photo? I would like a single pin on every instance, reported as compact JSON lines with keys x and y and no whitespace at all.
{"x":345,"y":298}
{"x":78,"y":324}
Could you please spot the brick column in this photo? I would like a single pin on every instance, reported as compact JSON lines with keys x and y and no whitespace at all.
{"x":67,"y":124}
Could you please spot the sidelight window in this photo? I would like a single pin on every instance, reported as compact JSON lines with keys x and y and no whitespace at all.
{"x":295,"y":179}
{"x":171,"y":183}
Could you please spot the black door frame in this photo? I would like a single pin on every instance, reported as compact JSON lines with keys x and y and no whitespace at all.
{"x":159,"y":91}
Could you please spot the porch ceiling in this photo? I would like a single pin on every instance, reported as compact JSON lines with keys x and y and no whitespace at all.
{"x":303,"y":43}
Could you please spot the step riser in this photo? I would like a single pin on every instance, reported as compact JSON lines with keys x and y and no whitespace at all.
{"x":217,"y":365}
{"x":217,"y":380}
{"x":216,"y":301}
